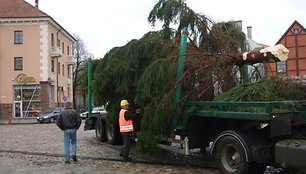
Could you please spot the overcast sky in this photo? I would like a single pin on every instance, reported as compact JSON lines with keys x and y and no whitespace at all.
{"x":104,"y":24}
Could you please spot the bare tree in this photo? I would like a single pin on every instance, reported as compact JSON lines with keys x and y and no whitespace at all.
{"x":81,"y":55}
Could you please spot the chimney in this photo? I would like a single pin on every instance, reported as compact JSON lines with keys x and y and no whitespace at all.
{"x":36,"y":3}
{"x":249,"y":32}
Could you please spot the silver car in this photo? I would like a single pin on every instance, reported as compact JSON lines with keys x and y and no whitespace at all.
{"x":50,"y":116}
{"x":95,"y":110}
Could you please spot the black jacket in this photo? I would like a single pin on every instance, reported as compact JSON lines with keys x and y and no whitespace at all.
{"x":69,"y":119}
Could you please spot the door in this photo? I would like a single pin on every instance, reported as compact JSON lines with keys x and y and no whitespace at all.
{"x":18,"y":109}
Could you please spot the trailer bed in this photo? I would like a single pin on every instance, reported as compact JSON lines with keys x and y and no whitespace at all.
{"x":252,"y":111}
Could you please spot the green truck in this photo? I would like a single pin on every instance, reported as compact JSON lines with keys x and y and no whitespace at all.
{"x":244,"y":137}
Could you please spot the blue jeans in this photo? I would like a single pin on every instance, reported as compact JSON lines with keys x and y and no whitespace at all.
{"x":70,"y":137}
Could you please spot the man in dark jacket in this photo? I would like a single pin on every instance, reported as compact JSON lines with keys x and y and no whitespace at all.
{"x":69,"y":121}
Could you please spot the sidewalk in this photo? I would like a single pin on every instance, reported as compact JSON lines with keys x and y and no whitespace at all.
{"x":19,"y":121}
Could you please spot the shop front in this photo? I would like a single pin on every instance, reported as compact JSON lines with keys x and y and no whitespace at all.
{"x":26,"y":101}
{"x":27,"y":97}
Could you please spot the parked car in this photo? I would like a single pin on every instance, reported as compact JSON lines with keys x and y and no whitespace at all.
{"x":50,"y":116}
{"x":95,"y":110}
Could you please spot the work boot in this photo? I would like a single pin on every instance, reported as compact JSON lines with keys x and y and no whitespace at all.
{"x":272,"y":170}
{"x":127,"y":159}
{"x":74,"y":158}
{"x":67,"y":162}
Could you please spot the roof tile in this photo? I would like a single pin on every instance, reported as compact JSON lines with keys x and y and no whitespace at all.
{"x":19,"y":9}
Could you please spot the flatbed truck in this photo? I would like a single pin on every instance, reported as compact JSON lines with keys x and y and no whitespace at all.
{"x":244,"y":137}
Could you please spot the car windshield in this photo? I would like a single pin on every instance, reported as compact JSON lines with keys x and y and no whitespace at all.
{"x":54,"y":110}
{"x":95,"y":109}
{"x":57,"y":110}
{"x":98,"y":109}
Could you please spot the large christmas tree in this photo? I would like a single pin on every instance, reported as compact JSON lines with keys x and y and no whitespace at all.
{"x":144,"y":71}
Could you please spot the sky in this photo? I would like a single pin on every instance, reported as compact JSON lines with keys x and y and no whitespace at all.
{"x":104,"y":24}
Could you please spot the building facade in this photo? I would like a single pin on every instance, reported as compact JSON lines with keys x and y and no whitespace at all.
{"x":36,"y":58}
{"x":294,"y":39}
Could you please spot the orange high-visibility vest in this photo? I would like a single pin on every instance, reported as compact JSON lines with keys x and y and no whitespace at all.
{"x":125,"y":125}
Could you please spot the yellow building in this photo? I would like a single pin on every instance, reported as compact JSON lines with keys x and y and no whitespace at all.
{"x":35,"y":61}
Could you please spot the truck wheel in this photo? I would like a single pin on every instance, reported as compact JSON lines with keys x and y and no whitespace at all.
{"x":112,"y":134}
{"x":230,"y":156}
{"x":100,"y":130}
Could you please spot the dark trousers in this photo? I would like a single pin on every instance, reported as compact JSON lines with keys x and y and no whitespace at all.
{"x":127,"y":139}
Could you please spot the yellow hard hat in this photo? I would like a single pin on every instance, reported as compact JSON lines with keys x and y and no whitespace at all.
{"x":124,"y":102}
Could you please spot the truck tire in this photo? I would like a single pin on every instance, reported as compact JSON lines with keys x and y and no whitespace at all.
{"x":112,"y":134}
{"x":230,"y":156}
{"x":100,"y":130}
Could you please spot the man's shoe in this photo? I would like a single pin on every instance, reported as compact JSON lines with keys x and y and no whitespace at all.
{"x":74,"y":158}
{"x":67,"y":162}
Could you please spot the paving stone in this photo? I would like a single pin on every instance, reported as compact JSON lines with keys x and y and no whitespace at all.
{"x":38,"y":149}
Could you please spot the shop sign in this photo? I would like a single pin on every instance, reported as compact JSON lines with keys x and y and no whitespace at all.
{"x":22,"y":78}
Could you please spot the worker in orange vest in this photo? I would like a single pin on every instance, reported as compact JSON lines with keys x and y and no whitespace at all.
{"x":126,"y":128}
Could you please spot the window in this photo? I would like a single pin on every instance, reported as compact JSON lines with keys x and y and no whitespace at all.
{"x":29,"y":97}
{"x":68,"y":92}
{"x":18,"y":37}
{"x":68,"y":50}
{"x":52,"y":40}
{"x":18,"y":63}
{"x":68,"y":71}
{"x":296,"y":31}
{"x":58,"y":43}
{"x":59,"y":68}
{"x":52,"y":65}
{"x":63,"y":48}
{"x":281,"y":67}
{"x":63,"y":69}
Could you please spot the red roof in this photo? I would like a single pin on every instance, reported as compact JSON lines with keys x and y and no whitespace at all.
{"x":19,"y":9}
{"x":288,"y":30}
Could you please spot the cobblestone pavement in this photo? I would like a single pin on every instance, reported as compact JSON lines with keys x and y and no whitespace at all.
{"x":38,"y":148}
